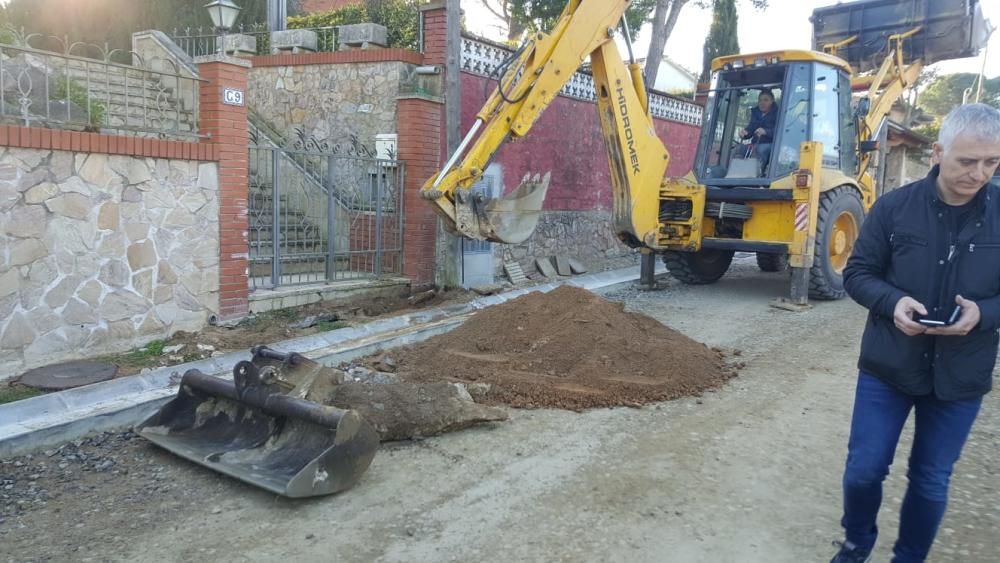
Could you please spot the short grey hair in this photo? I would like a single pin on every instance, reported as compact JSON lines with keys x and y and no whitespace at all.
{"x":979,"y":120}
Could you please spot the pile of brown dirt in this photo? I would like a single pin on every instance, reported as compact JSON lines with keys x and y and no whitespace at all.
{"x":567,"y":349}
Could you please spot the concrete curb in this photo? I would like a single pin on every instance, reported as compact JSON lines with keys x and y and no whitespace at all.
{"x":38,"y":422}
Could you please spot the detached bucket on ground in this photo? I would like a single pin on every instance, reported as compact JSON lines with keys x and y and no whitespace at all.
{"x":257,"y":429}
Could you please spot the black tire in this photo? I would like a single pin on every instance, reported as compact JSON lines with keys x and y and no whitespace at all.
{"x":769,"y":262}
{"x":826,"y":277}
{"x":698,"y":268}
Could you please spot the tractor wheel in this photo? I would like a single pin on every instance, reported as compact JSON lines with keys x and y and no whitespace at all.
{"x":838,"y":226}
{"x":698,"y":268}
{"x":770,"y":262}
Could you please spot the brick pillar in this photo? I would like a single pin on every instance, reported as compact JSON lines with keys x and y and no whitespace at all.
{"x":419,"y":126}
{"x":435,"y":19}
{"x":226,"y":126}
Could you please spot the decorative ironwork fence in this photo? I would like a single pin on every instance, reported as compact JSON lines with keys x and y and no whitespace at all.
{"x":483,"y":58}
{"x":81,"y":86}
{"x":318,"y":217}
{"x":198,"y":42}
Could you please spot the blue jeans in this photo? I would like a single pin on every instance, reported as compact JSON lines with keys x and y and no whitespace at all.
{"x":941,"y":430}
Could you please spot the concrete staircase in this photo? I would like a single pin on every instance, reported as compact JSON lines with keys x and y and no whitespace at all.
{"x":132,"y":98}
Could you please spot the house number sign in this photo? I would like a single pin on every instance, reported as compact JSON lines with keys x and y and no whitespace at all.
{"x":232,"y":97}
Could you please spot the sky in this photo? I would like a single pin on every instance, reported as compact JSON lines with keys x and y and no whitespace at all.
{"x":757,"y":32}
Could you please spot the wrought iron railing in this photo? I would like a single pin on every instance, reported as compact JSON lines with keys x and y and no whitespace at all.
{"x":197,"y":42}
{"x":316,"y":217}
{"x":484,"y":57}
{"x":83,"y":86}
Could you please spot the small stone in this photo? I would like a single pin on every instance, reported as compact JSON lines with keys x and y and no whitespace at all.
{"x":74,"y":206}
{"x":96,"y":170}
{"x":411,"y":532}
{"x":26,"y":251}
{"x":141,"y":255}
{"x":27,"y":222}
{"x":310,"y":536}
{"x":41,"y":193}
{"x":206,"y":347}
{"x":108,"y":218}
{"x":216,"y":510}
{"x":10,"y":282}
{"x":132,"y":195}
{"x":173,"y":349}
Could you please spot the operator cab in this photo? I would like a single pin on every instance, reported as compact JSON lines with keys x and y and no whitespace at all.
{"x":812,"y":101}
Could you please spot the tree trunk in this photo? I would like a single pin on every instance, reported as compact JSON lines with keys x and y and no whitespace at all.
{"x":514,"y":29}
{"x":664,"y":20}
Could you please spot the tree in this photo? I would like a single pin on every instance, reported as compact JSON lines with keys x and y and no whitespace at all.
{"x":541,"y":15}
{"x":946,"y":92}
{"x":722,"y":36}
{"x":112,"y":21}
{"x":664,"y":20}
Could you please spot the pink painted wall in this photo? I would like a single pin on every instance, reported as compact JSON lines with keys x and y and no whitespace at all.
{"x":567,"y":140}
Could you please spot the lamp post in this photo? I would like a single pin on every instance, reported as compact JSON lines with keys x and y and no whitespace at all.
{"x":223,"y":14}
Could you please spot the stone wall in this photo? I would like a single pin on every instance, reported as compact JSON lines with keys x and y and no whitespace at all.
{"x":339,"y":107}
{"x":102,"y":253}
{"x":584,"y":235}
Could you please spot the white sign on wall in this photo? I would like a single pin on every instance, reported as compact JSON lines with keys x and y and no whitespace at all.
{"x":232,"y":97}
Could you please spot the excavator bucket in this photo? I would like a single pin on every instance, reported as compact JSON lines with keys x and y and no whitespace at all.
{"x":261,"y":429}
{"x":510,"y":219}
{"x":948,"y":29}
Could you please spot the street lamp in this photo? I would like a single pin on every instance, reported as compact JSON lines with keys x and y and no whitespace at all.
{"x":223,"y":14}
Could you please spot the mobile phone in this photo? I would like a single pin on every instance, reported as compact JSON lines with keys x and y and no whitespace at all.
{"x":951,"y":320}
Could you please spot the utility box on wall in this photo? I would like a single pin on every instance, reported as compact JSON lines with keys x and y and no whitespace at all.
{"x":385,"y":146}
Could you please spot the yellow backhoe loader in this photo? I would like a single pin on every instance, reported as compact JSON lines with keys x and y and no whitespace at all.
{"x":805,"y":203}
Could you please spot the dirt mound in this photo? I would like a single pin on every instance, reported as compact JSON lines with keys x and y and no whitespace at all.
{"x":567,"y":349}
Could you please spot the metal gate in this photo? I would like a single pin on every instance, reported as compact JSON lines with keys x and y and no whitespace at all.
{"x":319,"y":217}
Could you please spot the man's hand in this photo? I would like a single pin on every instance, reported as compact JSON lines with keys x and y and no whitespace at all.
{"x":903,"y":316}
{"x":744,"y":133}
{"x":965,"y":323}
{"x":760,"y":132}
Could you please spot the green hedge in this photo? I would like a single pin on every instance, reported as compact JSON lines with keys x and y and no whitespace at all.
{"x":400,"y":18}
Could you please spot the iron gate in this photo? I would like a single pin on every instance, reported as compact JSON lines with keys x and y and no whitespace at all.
{"x":319,"y":217}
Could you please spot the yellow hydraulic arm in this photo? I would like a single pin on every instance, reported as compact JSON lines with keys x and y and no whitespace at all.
{"x":884,"y":87}
{"x":533,"y":79}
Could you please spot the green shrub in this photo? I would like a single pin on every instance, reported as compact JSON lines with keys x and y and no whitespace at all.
{"x":77,"y":94}
{"x":400,"y":18}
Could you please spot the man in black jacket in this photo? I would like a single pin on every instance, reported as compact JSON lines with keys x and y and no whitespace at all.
{"x":925,"y":249}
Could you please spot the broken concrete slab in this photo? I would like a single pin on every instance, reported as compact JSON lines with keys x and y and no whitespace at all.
{"x":515,"y":273}
{"x":491,"y":289}
{"x":544,"y":266}
{"x":576,"y":266}
{"x":562,"y":266}
{"x":421,"y":297}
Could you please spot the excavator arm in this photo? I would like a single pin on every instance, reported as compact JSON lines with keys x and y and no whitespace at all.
{"x":883,"y":88}
{"x":529,"y":81}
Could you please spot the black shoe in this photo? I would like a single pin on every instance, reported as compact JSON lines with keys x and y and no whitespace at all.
{"x":850,"y":553}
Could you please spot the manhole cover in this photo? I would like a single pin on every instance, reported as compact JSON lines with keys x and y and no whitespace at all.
{"x":68,"y":375}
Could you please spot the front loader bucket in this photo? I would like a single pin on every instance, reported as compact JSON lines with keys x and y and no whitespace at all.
{"x":249,"y":429}
{"x":948,"y":29}
{"x":512,"y":218}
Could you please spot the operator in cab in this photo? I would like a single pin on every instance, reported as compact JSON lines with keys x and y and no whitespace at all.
{"x":760,"y":130}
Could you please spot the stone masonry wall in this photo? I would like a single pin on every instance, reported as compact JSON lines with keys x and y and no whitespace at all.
{"x":584,"y":235}
{"x":101,"y":253}
{"x":343,"y":105}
